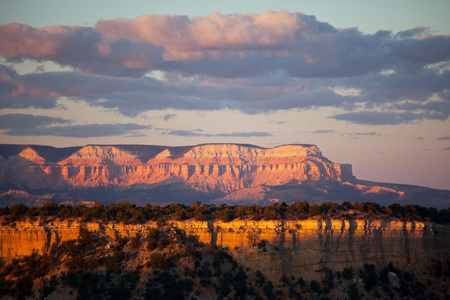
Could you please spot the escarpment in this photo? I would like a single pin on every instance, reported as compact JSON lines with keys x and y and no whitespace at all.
{"x":213,"y":167}
{"x":211,"y":173}
{"x":290,"y":248}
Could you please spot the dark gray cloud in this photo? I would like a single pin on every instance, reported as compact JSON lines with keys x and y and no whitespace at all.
{"x":444,"y":138}
{"x":378,"y":118}
{"x":185,"y":133}
{"x":167,"y":117}
{"x":372,"y":133}
{"x":42,"y":126}
{"x":277,"y":122}
{"x":414,"y":32}
{"x":446,"y":149}
{"x":323,"y":131}
{"x":245,"y":134}
{"x":25,"y":121}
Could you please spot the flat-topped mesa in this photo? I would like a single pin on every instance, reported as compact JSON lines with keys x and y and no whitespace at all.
{"x":208,"y":167}
{"x":244,"y":153}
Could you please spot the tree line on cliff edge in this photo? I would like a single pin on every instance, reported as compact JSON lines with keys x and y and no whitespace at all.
{"x":127,"y":213}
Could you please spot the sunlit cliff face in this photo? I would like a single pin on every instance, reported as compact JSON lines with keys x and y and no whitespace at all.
{"x":289,"y":247}
{"x":218,"y":167}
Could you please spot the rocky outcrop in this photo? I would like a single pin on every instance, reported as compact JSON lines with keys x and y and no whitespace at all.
{"x":213,"y":167}
{"x":275,"y":247}
{"x":211,"y":173}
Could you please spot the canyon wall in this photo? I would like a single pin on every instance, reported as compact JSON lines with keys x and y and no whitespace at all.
{"x":213,"y":167}
{"x":298,"y":248}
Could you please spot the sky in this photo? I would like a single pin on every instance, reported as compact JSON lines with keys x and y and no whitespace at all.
{"x":366,"y":81}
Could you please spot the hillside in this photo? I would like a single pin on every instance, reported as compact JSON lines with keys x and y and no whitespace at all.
{"x":347,"y":252}
{"x":213,"y":173}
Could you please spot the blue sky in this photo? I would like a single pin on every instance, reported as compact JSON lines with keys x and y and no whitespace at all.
{"x":367,"y":81}
{"x":368,"y":16}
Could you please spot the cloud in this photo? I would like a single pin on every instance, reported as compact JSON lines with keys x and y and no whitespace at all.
{"x":193,"y":133}
{"x":414,"y":32}
{"x":444,"y":138}
{"x":147,"y":93}
{"x":245,"y":134}
{"x":373,"y":133}
{"x":253,"y":63}
{"x":185,"y":133}
{"x":167,"y":117}
{"x":320,"y":131}
{"x":446,"y":149}
{"x":80,"y":131}
{"x":226,"y":45}
{"x":31,"y":125}
{"x":79,"y":47}
{"x":25,"y":121}
{"x":377,"y":118}
{"x":277,"y":122}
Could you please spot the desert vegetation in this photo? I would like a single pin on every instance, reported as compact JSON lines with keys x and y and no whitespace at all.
{"x":127,"y":213}
{"x":164,"y":262}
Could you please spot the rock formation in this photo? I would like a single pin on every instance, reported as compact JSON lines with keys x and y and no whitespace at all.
{"x":209,"y":172}
{"x":222,"y":167}
{"x":290,"y":248}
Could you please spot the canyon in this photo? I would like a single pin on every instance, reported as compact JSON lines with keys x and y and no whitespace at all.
{"x":224,"y":167}
{"x":212,"y":173}
{"x":289,"y":248}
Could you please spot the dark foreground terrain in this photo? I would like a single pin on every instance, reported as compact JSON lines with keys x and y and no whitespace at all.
{"x":144,"y":253}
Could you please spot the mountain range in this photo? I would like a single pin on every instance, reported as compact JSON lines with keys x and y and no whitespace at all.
{"x":210,"y":173}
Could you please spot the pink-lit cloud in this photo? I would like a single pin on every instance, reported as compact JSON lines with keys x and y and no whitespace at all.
{"x":269,"y":41}
{"x":253,"y":63}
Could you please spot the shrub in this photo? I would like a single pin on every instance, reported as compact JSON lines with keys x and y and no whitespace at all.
{"x":352,"y":292}
{"x":152,"y":238}
{"x":347,"y":273}
{"x":135,"y":242}
{"x":111,"y":263}
{"x":315,"y":287}
{"x":158,"y":261}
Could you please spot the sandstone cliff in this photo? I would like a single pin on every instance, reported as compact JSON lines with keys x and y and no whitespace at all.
{"x":225,"y":173}
{"x":274,"y":247}
{"x":220,"y":167}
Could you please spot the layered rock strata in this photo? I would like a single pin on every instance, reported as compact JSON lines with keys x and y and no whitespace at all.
{"x":298,"y":248}
{"x":211,"y":167}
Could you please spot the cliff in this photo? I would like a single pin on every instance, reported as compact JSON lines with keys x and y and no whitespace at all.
{"x":219,"y":167}
{"x":291,"y":248}
{"x":227,"y":173}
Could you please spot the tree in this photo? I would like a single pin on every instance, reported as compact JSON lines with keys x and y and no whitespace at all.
{"x":51,"y":208}
{"x":314,"y":210}
{"x":369,"y":277}
{"x":136,"y":241}
{"x":152,"y":238}
{"x":17,"y":211}
{"x":196,"y":204}
{"x":84,"y":236}
{"x":352,"y":292}
{"x":347,"y":273}
{"x":158,"y":261}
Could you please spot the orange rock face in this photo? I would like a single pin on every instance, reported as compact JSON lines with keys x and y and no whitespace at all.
{"x":214,"y":167}
{"x":291,"y":248}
